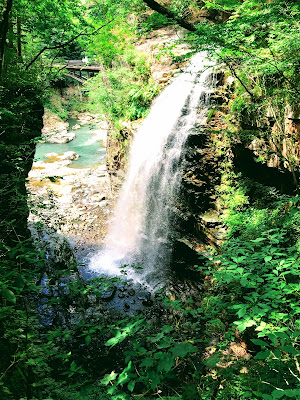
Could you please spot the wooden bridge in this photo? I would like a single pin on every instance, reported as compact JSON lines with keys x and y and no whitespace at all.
{"x":80,"y":70}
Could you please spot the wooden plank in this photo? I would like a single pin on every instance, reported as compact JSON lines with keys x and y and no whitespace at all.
{"x":83,"y":68}
{"x":75,"y":77}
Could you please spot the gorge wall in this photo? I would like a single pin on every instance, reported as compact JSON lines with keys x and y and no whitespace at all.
{"x":21,"y":124}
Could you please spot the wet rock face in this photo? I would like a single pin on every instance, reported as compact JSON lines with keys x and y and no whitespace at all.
{"x":197,"y":214}
{"x":200,"y":176}
{"x":59,"y":254}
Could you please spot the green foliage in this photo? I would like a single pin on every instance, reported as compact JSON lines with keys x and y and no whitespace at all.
{"x":125,"y":90}
{"x":53,"y":348}
{"x":155,"y":356}
{"x":259,"y":45}
{"x":152,"y":22}
{"x":256,"y":289}
{"x":54,"y":104}
{"x":255,"y":292}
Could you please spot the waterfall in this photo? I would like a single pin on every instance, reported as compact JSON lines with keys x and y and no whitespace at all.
{"x":141,"y":229}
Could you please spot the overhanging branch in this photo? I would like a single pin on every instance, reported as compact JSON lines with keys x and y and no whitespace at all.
{"x":170,"y":14}
{"x":59,"y":46}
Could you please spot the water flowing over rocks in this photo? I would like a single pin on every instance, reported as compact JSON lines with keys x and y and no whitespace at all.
{"x":77,"y":202}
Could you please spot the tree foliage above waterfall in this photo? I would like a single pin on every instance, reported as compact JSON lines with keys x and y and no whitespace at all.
{"x":258,"y":40}
{"x":261,"y":39}
{"x":38,"y":25}
{"x":42,"y":33}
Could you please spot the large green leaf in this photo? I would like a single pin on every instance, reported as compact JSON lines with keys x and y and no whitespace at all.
{"x":182,"y":349}
{"x":8,"y":294}
{"x":166,"y":363}
{"x":147,"y":362}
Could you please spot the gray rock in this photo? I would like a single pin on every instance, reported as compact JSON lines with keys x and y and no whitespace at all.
{"x":59,"y":254}
{"x":61,"y":136}
{"x":70,"y":155}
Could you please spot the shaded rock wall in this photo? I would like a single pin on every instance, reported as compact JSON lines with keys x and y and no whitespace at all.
{"x":21,"y":123}
{"x":276,"y":142}
{"x":197,"y":213}
{"x":245,"y":161}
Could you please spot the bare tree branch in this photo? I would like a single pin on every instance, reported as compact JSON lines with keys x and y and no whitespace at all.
{"x":237,"y":77}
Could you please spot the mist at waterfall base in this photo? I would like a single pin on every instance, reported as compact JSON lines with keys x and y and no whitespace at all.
{"x":140,"y":233}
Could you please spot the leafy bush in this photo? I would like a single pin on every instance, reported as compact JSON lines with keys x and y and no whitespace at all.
{"x":255,"y":291}
{"x":123,"y":91}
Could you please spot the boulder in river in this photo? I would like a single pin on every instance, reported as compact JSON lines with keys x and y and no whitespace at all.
{"x":60,"y":136}
{"x":55,"y":130}
{"x":51,"y":155}
{"x":70,"y":155}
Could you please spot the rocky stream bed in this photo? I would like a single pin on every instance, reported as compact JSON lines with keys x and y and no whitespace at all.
{"x":74,"y":201}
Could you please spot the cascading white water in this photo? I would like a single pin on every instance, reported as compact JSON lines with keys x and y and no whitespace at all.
{"x":140,"y":231}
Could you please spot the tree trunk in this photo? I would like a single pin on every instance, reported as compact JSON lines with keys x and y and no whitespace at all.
{"x":164,"y":11}
{"x":3,"y":31}
{"x":11,"y":34}
{"x":19,"y":35}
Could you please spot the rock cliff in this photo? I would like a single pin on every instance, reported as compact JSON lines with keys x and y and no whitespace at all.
{"x":21,"y":124}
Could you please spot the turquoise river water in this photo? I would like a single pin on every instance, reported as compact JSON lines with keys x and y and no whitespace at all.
{"x":90,"y":149}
